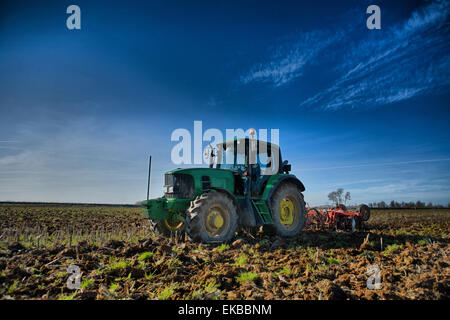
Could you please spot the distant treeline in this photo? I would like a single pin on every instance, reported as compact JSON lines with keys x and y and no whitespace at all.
{"x":69,"y":204}
{"x":406,"y":205}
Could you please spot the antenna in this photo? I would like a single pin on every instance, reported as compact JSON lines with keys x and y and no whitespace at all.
{"x":149,"y":172}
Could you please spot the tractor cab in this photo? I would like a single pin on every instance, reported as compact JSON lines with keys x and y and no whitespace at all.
{"x":252,"y":162}
{"x":240,"y":153}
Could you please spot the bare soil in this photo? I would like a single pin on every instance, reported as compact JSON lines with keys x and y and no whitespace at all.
{"x":120,"y":258}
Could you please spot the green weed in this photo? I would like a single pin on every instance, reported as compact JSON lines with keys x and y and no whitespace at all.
{"x":332,"y":260}
{"x":222,"y":247}
{"x":241,"y":260}
{"x":13,"y":287}
{"x":86,"y":283}
{"x":67,"y":297}
{"x":391,"y":249}
{"x":167,"y":292}
{"x":285,"y":271}
{"x":145,"y":256}
{"x":247,"y":276}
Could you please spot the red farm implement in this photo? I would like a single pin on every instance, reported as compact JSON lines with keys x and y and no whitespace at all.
{"x":339,"y":217}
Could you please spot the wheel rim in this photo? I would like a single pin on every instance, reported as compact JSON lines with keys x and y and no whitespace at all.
{"x":286,"y":211}
{"x":174,"y":225}
{"x":216,"y":221}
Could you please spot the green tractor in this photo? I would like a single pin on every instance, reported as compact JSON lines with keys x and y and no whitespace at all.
{"x":246,"y":185}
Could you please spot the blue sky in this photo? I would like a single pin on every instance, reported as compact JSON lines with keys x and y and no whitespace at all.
{"x":364,"y":110}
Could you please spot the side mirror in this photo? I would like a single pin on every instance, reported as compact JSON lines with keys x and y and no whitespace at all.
{"x":209,"y":155}
{"x":285,"y":167}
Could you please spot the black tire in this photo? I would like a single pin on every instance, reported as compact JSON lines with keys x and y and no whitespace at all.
{"x":365,"y":210}
{"x":203,"y":214}
{"x":290,"y":191}
{"x":166,"y":229}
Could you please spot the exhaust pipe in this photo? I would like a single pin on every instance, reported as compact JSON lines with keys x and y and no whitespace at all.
{"x":149,"y":172}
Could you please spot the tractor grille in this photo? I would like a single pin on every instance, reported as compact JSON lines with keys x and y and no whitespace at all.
{"x":183,"y":186}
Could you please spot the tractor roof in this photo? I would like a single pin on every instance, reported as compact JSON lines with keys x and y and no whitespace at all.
{"x":246,"y":140}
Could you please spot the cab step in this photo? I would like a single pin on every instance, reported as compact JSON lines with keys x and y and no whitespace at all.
{"x":263,"y":211}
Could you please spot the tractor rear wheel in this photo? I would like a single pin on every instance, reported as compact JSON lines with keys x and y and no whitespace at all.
{"x":167,"y":228}
{"x":211,"y":217}
{"x":288,"y":211}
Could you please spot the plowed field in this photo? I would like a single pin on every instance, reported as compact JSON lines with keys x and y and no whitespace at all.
{"x":120,"y":258}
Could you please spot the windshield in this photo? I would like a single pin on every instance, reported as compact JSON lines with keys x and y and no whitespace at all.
{"x":263,"y":160}
{"x":227,"y":158}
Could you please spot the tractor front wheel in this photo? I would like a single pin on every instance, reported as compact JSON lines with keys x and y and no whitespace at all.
{"x":288,"y":211}
{"x":212,"y":217}
{"x":167,"y":228}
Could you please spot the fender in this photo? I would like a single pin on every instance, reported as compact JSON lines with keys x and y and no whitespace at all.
{"x":275,"y":181}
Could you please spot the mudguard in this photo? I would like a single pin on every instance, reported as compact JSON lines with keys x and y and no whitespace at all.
{"x":276,"y":180}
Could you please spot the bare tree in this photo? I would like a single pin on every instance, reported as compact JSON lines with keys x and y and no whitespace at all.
{"x":338,"y":197}
{"x":347,"y":197}
{"x":340,"y":192}
{"x":333,"y":197}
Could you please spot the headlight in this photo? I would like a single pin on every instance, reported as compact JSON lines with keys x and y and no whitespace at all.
{"x":168,"y":189}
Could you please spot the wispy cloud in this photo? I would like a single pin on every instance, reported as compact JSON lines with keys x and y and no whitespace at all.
{"x":389,"y":65}
{"x":288,"y":61}
{"x":407,"y":60}
{"x":378,"y":164}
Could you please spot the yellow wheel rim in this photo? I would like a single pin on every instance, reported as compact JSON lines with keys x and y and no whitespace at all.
{"x":215,"y":221}
{"x":286,"y":211}
{"x":174,"y":225}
